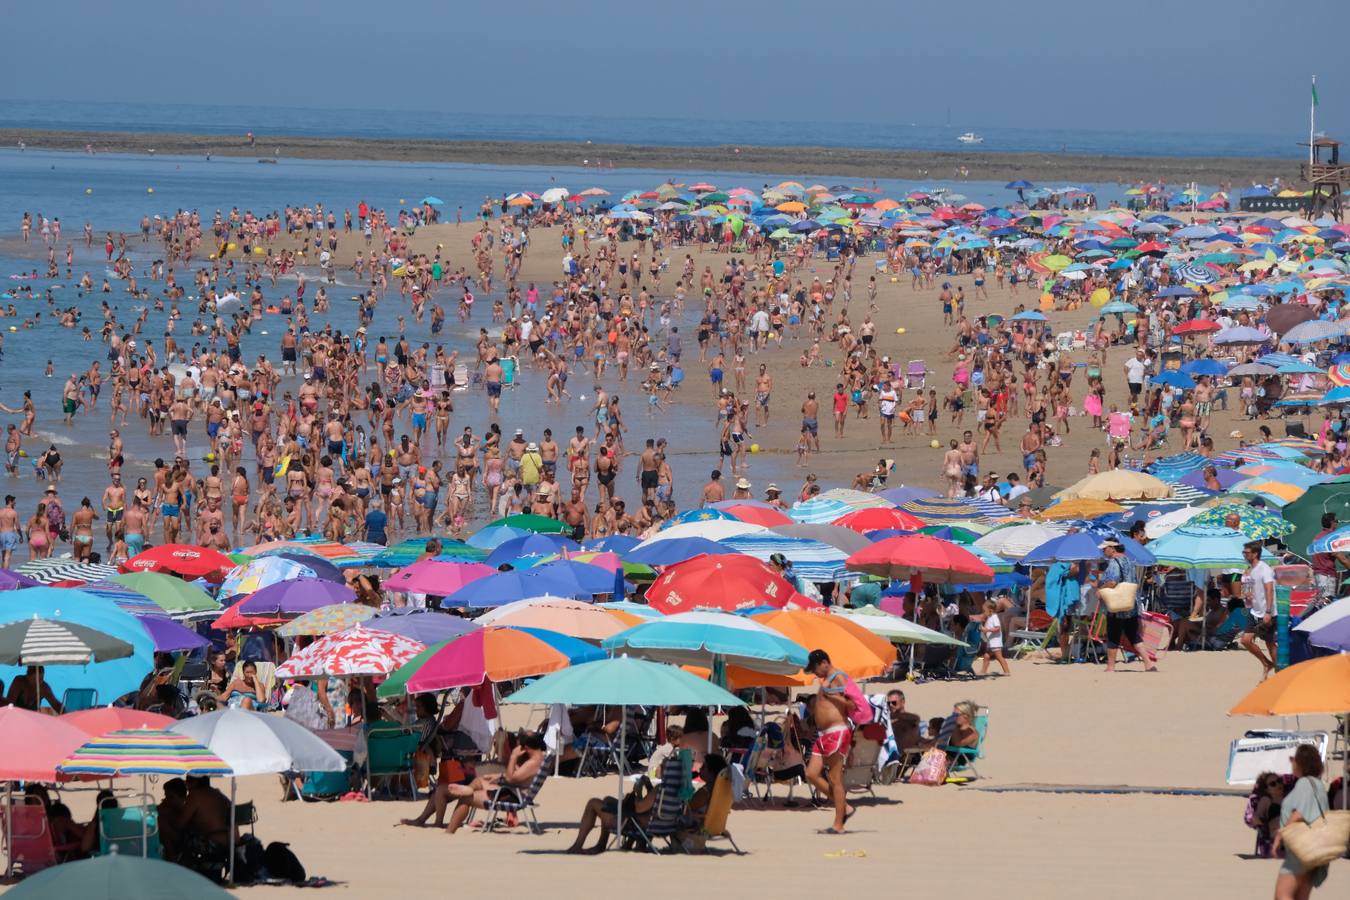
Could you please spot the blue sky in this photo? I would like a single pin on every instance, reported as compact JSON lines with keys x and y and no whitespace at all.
{"x":1183,"y":65}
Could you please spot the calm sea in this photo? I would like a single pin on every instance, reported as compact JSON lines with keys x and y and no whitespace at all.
{"x":385,"y":123}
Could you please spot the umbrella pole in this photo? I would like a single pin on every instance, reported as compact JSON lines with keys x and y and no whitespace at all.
{"x":623,"y":754}
{"x":145,"y":837}
{"x":9,"y":829}
{"x":234,"y":782}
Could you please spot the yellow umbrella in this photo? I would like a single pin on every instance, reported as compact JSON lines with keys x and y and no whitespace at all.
{"x":1117,"y":484}
{"x":1082,"y":508}
{"x":1056,"y":262}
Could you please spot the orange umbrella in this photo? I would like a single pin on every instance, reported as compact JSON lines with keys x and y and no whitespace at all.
{"x":851,"y":647}
{"x":1317,"y":686}
{"x":1082,"y":508}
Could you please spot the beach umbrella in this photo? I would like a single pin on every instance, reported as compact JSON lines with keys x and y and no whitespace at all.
{"x":585,"y":621}
{"x":1205,"y":367}
{"x":845,"y":539}
{"x":493,"y":536}
{"x":1276,"y":493}
{"x":102,"y":719}
{"x":903,"y":493}
{"x":33,"y":745}
{"x":1315,"y":330}
{"x":713,"y":530}
{"x":1174,"y":379}
{"x":1227,"y":478}
{"x":563,"y":578}
{"x":295,"y":597}
{"x":920,"y":556}
{"x":1329,"y":627}
{"x":1016,"y":541}
{"x":422,"y":625}
{"x":180,"y":559}
{"x":407,"y":552}
{"x":960,"y":534}
{"x":356,"y":651}
{"x":935,"y":510}
{"x":623,"y":682}
{"x":668,"y":552}
{"x":12,"y":581}
{"x":725,"y":582}
{"x":819,"y":511}
{"x":1081,"y":508}
{"x":811,"y":560}
{"x":530,"y":545}
{"x":174,"y":596}
{"x":1239,"y":334}
{"x":254,"y":743}
{"x":1198,"y":547}
{"x":855,"y":498}
{"x":1117,"y":484}
{"x":1170,"y":521}
{"x":1285,"y":316}
{"x":896,"y":629}
{"x":766,"y":516}
{"x":532,"y":522}
{"x":1256,"y":524}
{"x":48,"y":642}
{"x":436,"y":577}
{"x":851,"y":646}
{"x":711,"y":640}
{"x":876,"y":518}
{"x":327,"y":619}
{"x":1065,"y":548}
{"x":257,"y":574}
{"x":614,"y":543}
{"x":494,"y":654}
{"x":1313,"y":687}
{"x":1197,"y":326}
{"x":232,"y":619}
{"x":169,"y":636}
{"x":325,"y":556}
{"x":118,"y":877}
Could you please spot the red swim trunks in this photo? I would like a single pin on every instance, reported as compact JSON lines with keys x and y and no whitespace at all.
{"x":835,"y":740}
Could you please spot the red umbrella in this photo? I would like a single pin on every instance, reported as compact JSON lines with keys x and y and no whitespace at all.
{"x":921,"y":556}
{"x":232,"y":618}
{"x":875,"y":518}
{"x":1197,"y":326}
{"x":722,"y":581}
{"x":180,"y":559}
{"x":756,"y":515}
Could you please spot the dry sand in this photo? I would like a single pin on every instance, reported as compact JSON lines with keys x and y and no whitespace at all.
{"x":1049,"y":725}
{"x":978,"y":165}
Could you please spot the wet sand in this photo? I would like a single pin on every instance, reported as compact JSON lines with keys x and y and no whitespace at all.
{"x":957,"y":164}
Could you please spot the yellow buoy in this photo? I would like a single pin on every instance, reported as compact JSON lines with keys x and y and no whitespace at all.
{"x":899,"y":331}
{"x":210,"y":457}
{"x":231,"y":246}
{"x":259,"y":251}
{"x":895,"y":280}
{"x":754,"y":448}
{"x":149,"y":190}
{"x":935,"y":444}
{"x":88,"y":190}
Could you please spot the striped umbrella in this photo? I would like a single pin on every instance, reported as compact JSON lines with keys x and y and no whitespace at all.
{"x":143,"y":751}
{"x":344,"y":556}
{"x":327,"y":619}
{"x":818,"y":511}
{"x":173,"y":595}
{"x":257,"y":574}
{"x":54,"y":571}
{"x":406,"y":553}
{"x":955,"y":509}
{"x":855,"y":498}
{"x":46,"y":642}
{"x":126,"y":599}
{"x":1339,"y":374}
{"x":1196,"y":274}
{"x":812,"y":560}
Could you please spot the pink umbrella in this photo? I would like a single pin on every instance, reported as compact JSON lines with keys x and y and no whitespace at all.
{"x":100,"y":720}
{"x":356,"y":651}
{"x":32,"y":745}
{"x":438,"y":577}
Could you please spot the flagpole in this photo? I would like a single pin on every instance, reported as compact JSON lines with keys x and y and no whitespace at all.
{"x":1312,"y":119}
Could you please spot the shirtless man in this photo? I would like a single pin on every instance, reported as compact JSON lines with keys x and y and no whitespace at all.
{"x":763,"y":388}
{"x":13,"y":444}
{"x":834,"y":737}
{"x":970,"y":460}
{"x":811,"y":421}
{"x":714,"y":491}
{"x":135,"y":527}
{"x":10,"y":530}
{"x":492,"y":381}
{"x":70,"y":399}
{"x":649,"y":465}
{"x":114,"y":505}
{"x":180,"y":413}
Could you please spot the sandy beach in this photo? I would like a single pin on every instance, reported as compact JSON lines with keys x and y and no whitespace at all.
{"x":1065,"y":730}
{"x":836,"y":161}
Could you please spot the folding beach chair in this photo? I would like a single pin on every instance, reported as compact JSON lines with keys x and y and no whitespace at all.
{"x":963,"y":758}
{"x":389,"y":753}
{"x":763,"y":763}
{"x":510,"y":800}
{"x":129,"y":831}
{"x":30,"y":849}
{"x":916,"y":374}
{"x":76,"y":699}
{"x":719,"y":810}
{"x":668,"y":807}
{"x":510,"y":368}
{"x":860,"y":768}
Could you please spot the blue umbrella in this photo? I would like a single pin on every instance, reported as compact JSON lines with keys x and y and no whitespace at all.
{"x":674,"y":550}
{"x":1175,"y":379}
{"x":423,"y":626}
{"x":1065,"y":548}
{"x":904,"y":493}
{"x":1204,"y":367}
{"x":1020,"y":184}
{"x":1142,"y":513}
{"x":703,"y":514}
{"x":494,"y":536}
{"x":1029,"y":315}
{"x":614,"y":543}
{"x":433,"y":201}
{"x":530,"y":545}
{"x":1003,"y":581}
{"x":563,"y":578}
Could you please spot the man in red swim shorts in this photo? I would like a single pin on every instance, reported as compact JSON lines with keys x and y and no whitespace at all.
{"x":834,"y":737}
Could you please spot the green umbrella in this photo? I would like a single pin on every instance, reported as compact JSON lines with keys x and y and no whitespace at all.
{"x":173,"y":595}
{"x":537,"y":524}
{"x":115,"y":877}
{"x":736,"y":224}
{"x":714,"y":197}
{"x":1306,"y":512}
{"x":1257,"y":524}
{"x":779,"y":233}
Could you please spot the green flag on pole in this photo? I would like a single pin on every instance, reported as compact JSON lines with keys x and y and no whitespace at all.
{"x":1314,"y":92}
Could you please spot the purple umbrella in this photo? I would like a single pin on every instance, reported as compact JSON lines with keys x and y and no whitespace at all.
{"x":169,"y":636}
{"x":295,"y":597}
{"x":905,"y":493}
{"x":12,"y":581}
{"x":423,"y":626}
{"x":1227,"y":478}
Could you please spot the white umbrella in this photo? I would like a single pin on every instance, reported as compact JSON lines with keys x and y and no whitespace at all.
{"x":894,"y":628}
{"x":1170,"y":521}
{"x":1327,"y":615}
{"x":554,"y":195}
{"x":1016,"y":541}
{"x":254,"y":743}
{"x":713,"y":530}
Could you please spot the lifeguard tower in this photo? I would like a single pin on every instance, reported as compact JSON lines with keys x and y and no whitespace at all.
{"x":1325,"y":172}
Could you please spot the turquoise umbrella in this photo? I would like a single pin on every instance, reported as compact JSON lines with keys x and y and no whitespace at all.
{"x":713,"y":639}
{"x":624,"y":682}
{"x":1197,"y":547}
{"x":114,"y":877}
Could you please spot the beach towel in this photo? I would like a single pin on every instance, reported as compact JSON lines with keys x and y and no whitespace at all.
{"x":479,"y":720}
{"x":881,"y":715}
{"x":559,"y":733}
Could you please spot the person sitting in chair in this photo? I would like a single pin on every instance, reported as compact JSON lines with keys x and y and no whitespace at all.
{"x":522,"y":765}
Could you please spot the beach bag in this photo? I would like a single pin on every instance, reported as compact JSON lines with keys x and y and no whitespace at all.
{"x":1319,"y":843}
{"x":281,"y":863}
{"x":1119,"y":599}
{"x":861,"y":713}
{"x":932,"y":768}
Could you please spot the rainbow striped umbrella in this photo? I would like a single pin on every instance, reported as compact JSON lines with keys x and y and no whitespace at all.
{"x":143,"y":751}
{"x":1339,"y":374}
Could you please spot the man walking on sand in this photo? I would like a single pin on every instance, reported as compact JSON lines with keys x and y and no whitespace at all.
{"x":1258,"y":592}
{"x":834,"y":737}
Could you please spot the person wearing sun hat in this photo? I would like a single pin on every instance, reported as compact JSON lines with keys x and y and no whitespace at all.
{"x":742,"y":491}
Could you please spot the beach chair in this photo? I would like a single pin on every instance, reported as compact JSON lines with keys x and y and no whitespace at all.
{"x":246,"y":814}
{"x":461,"y":377}
{"x":506,"y":799}
{"x":1041,"y":629}
{"x":510,"y":368}
{"x":76,"y":699}
{"x":963,"y":758}
{"x":860,"y":768}
{"x":389,"y":754}
{"x":719,"y":810}
{"x":30,"y":846}
{"x":267,"y":675}
{"x":763,"y":763}
{"x":327,"y":785}
{"x":916,"y":374}
{"x":668,"y":807}
{"x":1064,"y":341}
{"x":129,"y":831}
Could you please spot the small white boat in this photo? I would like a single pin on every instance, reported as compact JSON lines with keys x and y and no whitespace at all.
{"x":970,"y":137}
